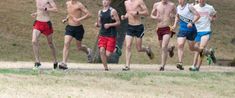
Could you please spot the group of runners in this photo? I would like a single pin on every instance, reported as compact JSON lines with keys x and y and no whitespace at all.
{"x":194,"y":20}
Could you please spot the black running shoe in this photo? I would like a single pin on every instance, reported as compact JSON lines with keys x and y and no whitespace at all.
{"x":171,"y":51}
{"x":126,"y":68}
{"x":212,"y":55}
{"x":36,"y":65}
{"x":162,"y":68}
{"x":63,"y":66}
{"x":55,"y":65}
{"x":149,"y":52}
{"x":180,"y":66}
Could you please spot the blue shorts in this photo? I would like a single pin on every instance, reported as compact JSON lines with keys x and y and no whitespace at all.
{"x":200,"y":34}
{"x":190,"y":35}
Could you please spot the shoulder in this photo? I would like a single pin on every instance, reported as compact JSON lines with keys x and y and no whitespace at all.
{"x":155,"y":5}
{"x":172,"y":4}
{"x":209,"y":6}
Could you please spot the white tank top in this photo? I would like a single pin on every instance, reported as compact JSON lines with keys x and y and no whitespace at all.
{"x":185,"y":13}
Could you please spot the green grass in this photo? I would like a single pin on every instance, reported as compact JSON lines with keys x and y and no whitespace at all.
{"x":137,"y":84}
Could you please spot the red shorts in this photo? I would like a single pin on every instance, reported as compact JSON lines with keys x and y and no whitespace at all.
{"x":163,"y":31}
{"x":109,"y":43}
{"x":44,"y":27}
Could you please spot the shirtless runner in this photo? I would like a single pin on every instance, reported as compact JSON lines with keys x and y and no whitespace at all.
{"x":135,"y":9}
{"x":43,"y":25}
{"x":74,"y":29}
{"x":164,"y":11}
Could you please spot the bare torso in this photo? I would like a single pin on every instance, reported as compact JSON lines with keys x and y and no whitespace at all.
{"x":165,"y":13}
{"x":42,"y":14}
{"x":74,"y":10}
{"x":132,"y":6}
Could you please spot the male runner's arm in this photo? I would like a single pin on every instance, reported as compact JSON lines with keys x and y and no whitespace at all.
{"x":123,"y":17}
{"x":213,"y":14}
{"x":65,"y":19}
{"x":176,"y":21}
{"x":116,"y":18}
{"x":85,"y":11}
{"x":52,"y":7}
{"x":154,"y":12}
{"x":196,"y":16}
{"x":144,"y":10}
{"x":98,"y":23}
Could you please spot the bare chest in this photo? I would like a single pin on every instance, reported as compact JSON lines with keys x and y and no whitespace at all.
{"x":164,"y":9}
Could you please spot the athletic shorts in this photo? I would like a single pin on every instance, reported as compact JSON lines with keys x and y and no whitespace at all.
{"x":163,"y":31}
{"x":75,"y":31}
{"x":190,"y":35}
{"x":44,"y":27}
{"x":109,"y":43}
{"x":200,"y":35}
{"x":135,"y":30}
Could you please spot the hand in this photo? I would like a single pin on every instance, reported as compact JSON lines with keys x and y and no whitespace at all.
{"x":75,"y":19}
{"x":190,"y":25}
{"x":134,"y":13}
{"x":173,"y":27}
{"x":106,"y":26}
{"x":123,"y":17}
{"x":34,"y":15}
{"x":97,"y":25}
{"x":64,"y":20}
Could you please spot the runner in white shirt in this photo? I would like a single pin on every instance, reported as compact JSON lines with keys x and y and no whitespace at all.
{"x":186,"y":17}
{"x":203,"y":25}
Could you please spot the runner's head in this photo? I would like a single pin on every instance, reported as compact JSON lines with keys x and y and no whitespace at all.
{"x":106,"y":3}
{"x":182,"y":2}
{"x":164,"y":1}
{"x":202,"y":2}
{"x":196,"y":2}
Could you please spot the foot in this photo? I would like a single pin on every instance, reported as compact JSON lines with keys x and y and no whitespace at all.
{"x":162,"y":68}
{"x":106,"y":69}
{"x":180,"y":66}
{"x":37,"y":65}
{"x":55,"y":65}
{"x":89,"y":56}
{"x":63,"y":66}
{"x":126,"y":68}
{"x":193,"y":68}
{"x":118,"y":50}
{"x":149,"y":53}
{"x":212,"y":55}
{"x":171,"y":51}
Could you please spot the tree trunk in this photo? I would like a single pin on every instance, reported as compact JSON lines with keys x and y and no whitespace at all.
{"x":119,"y":6}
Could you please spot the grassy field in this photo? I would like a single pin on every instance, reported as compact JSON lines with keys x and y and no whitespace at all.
{"x":16,"y":28}
{"x":19,"y":83}
{"x":18,"y":80}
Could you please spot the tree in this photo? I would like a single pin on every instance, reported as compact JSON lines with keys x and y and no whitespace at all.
{"x":120,"y":7}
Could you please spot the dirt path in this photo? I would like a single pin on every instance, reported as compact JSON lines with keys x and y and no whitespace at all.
{"x":114,"y":67}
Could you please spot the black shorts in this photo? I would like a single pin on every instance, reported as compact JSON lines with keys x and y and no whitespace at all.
{"x":75,"y":31}
{"x":135,"y":30}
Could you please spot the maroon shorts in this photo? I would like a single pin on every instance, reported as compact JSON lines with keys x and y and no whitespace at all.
{"x":108,"y":43}
{"x":44,"y":27}
{"x":163,"y":31}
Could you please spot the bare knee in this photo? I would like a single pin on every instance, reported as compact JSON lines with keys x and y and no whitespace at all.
{"x":128,"y":48}
{"x":191,"y":48}
{"x":102,"y":51}
{"x":139,"y":49}
{"x":34,"y":42}
{"x":180,"y":46}
{"x":66,"y":45}
{"x":51,"y":45}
